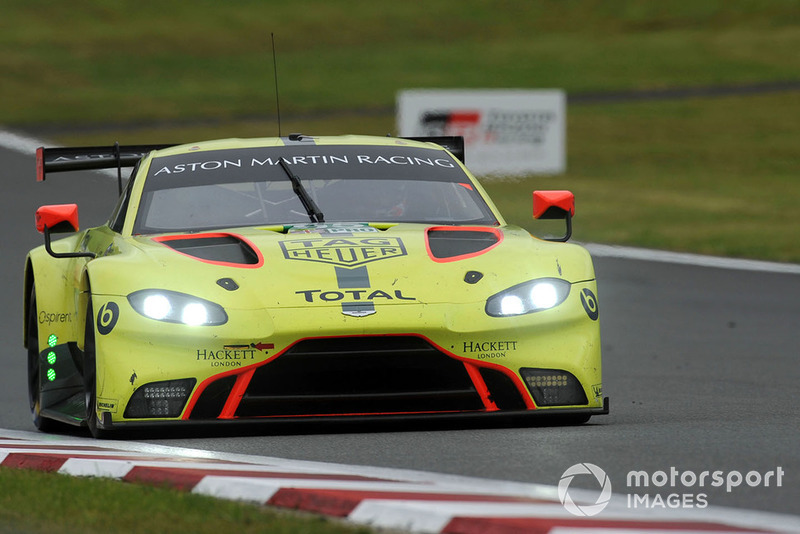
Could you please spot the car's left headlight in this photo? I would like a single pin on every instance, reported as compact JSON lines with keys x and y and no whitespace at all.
{"x":174,"y":307}
{"x":528,"y":297}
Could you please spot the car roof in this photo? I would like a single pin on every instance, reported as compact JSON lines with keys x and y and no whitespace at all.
{"x":294,"y":140}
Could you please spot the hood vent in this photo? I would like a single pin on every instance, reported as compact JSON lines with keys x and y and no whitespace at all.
{"x":457,"y":243}
{"x":217,"y":248}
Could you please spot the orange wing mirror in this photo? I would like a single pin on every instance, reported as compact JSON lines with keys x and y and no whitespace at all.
{"x":555,"y":205}
{"x":59,"y":218}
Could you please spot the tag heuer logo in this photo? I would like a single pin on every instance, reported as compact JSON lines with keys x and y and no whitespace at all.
{"x":347,"y":252}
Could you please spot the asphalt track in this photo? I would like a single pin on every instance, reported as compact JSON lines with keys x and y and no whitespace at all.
{"x":700,"y":362}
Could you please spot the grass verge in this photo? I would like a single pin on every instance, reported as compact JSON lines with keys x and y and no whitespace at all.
{"x":33,"y":502}
{"x":101,"y":61}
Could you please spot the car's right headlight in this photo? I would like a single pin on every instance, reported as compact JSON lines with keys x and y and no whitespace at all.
{"x":174,"y":307}
{"x":528,"y":297}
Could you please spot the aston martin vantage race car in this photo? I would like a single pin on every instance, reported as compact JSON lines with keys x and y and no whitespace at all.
{"x":304,"y":277}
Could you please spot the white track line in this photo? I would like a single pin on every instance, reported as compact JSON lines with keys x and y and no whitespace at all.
{"x":699,"y":260}
{"x":20,"y":143}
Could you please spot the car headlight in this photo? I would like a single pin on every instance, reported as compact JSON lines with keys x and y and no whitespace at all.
{"x":174,"y":307}
{"x":528,"y":297}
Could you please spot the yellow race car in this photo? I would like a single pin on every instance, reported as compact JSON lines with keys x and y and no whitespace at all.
{"x":304,"y":277}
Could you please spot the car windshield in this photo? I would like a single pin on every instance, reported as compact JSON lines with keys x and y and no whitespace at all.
{"x":349,"y":183}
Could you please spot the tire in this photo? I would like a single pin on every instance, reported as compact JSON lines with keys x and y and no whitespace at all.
{"x":90,"y":375}
{"x":34,"y":379}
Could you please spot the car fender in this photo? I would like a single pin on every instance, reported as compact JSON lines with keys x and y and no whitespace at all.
{"x":61,"y":286}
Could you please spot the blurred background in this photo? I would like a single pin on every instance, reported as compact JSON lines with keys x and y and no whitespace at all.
{"x":683,"y":120}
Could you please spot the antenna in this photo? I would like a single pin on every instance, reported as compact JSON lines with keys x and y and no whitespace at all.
{"x":275,"y":70}
{"x":118,"y":158}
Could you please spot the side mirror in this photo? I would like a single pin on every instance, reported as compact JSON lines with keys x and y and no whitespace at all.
{"x":555,"y":205}
{"x":59,"y":218}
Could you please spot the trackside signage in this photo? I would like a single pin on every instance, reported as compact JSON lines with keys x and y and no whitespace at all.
{"x":505,"y":131}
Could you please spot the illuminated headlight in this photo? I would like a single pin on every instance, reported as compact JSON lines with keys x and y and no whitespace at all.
{"x":174,"y":307}
{"x":528,"y":297}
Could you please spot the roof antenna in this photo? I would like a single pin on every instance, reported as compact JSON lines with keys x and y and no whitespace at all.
{"x":275,"y":70}
{"x":118,"y":158}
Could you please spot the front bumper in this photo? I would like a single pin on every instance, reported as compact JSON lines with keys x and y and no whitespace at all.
{"x":543,"y":417}
{"x":461,"y":363}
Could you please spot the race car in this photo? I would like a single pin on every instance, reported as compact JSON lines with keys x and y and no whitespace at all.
{"x":304,"y":278}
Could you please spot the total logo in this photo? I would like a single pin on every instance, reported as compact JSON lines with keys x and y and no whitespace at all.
{"x":584,"y":470}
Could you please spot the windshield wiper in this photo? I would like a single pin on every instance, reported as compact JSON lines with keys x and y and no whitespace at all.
{"x":308,"y":203}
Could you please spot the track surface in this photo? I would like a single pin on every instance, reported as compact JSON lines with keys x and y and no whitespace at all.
{"x":701,"y":365}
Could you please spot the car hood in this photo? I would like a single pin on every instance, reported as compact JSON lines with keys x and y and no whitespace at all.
{"x":318,"y":265}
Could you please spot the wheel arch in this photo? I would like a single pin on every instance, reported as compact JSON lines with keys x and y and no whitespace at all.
{"x":84,"y":297}
{"x":62,"y":292}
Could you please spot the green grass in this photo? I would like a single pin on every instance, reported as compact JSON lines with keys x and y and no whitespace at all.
{"x":102,"y":60}
{"x":709,"y":175}
{"x":33,"y":502}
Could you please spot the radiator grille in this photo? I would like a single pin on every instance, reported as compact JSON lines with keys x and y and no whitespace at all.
{"x":362,"y":375}
{"x":359,"y":375}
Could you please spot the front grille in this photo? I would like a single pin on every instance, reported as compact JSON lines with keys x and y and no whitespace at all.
{"x":502,"y":390}
{"x":359,"y":375}
{"x":210,"y":403}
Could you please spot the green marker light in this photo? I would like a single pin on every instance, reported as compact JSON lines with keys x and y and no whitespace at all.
{"x":51,"y":358}
{"x":52,"y":341}
{"x":51,"y":374}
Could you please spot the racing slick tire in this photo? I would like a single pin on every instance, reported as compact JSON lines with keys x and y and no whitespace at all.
{"x":90,"y":376}
{"x":34,"y":370}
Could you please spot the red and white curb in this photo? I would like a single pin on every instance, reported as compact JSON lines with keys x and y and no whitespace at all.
{"x":390,"y":498}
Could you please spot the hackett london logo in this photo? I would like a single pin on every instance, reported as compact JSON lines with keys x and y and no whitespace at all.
{"x":346,"y":252}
